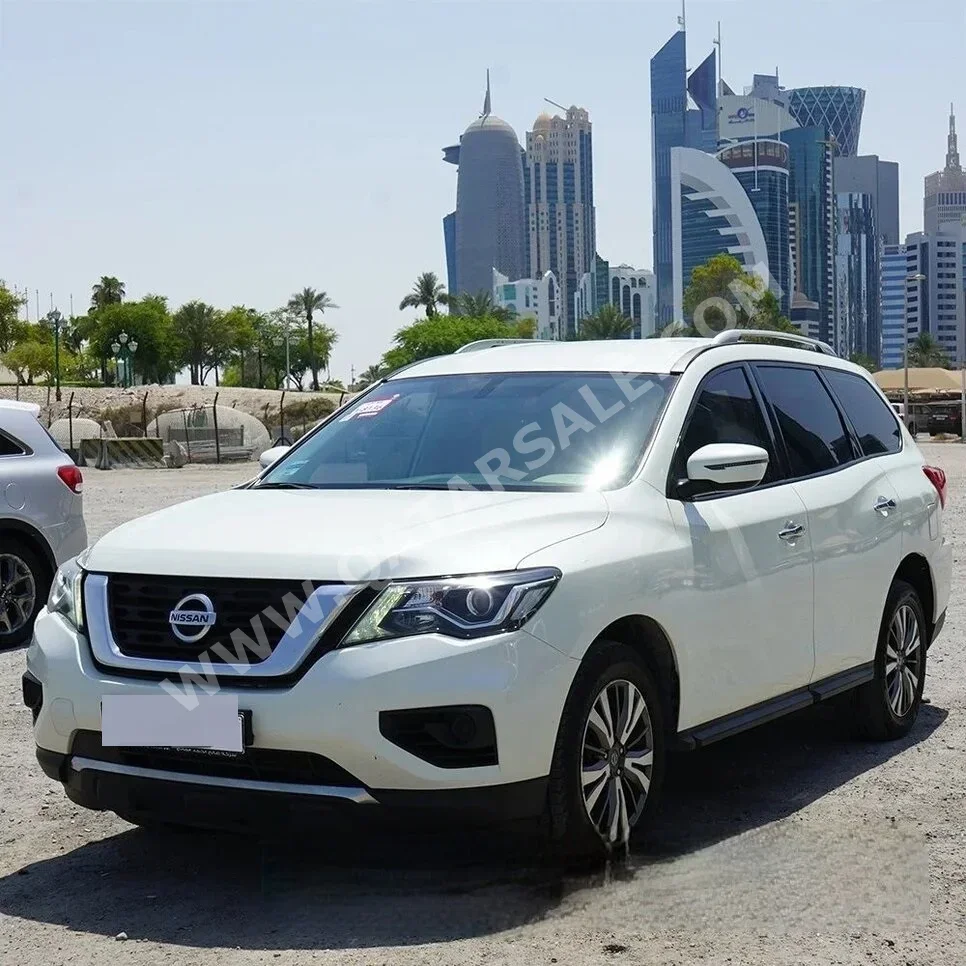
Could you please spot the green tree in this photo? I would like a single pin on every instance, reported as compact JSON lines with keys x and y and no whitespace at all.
{"x":148,"y":323}
{"x":428,"y":293}
{"x":480,"y":306}
{"x":11,"y":326}
{"x":722,"y":295}
{"x":442,"y":334}
{"x":926,"y":353}
{"x":861,"y":359}
{"x":204,"y":339}
{"x":32,"y":357}
{"x":608,"y":322}
{"x":108,"y":291}
{"x":307,"y":303}
{"x":368,"y":376}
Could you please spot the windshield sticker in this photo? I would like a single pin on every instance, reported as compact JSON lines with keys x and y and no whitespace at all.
{"x":370,"y":408}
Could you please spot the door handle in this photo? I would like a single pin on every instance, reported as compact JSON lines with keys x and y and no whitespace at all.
{"x":791,"y":531}
{"x":884,"y":505}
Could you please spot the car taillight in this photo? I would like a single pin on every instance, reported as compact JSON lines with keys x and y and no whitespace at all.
{"x":938,"y":479}
{"x":72,"y":477}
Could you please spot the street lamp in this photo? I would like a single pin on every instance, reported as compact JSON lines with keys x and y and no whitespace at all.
{"x":56,"y":321}
{"x":124,"y":350}
{"x":918,"y":279}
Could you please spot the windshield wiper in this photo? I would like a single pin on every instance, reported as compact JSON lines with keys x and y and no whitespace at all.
{"x":285,"y":486}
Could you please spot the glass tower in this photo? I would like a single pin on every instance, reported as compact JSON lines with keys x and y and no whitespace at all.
{"x":857,"y":287}
{"x":673,"y":124}
{"x":837,"y":109}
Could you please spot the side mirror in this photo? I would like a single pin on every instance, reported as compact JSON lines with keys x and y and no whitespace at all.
{"x":271,"y":455}
{"x":728,"y":464}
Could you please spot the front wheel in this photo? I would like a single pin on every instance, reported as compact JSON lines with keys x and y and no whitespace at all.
{"x":608,"y":762}
{"x":887,"y":707}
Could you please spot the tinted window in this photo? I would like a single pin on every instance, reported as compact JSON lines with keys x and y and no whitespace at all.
{"x":815,"y":438}
{"x":726,"y":412}
{"x":520,"y":430}
{"x":8,"y":447}
{"x":871,"y":416}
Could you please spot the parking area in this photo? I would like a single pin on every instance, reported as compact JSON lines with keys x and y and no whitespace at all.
{"x":791,"y":844}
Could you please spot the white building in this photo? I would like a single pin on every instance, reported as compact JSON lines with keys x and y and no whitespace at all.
{"x":532,"y":298}
{"x":632,"y":290}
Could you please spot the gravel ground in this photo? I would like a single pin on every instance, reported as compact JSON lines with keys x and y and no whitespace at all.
{"x":791,"y":844}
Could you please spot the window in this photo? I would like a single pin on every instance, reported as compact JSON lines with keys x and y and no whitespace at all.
{"x":726,"y":412}
{"x":8,"y":447}
{"x":526,"y":431}
{"x":811,"y":426}
{"x":874,"y":423}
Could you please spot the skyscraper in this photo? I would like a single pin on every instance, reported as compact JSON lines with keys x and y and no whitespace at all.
{"x":893,"y":302}
{"x":866,"y":220}
{"x":489,"y":225}
{"x":560,"y":203}
{"x":712,"y":214}
{"x":945,"y":195}
{"x":674,"y":124}
{"x":837,"y":109}
{"x":811,"y":202}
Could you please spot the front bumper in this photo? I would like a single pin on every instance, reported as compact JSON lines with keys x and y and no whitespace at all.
{"x":332,"y":711}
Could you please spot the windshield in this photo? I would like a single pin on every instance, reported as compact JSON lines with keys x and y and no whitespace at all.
{"x":553,"y":431}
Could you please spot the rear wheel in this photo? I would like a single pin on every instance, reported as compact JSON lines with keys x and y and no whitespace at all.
{"x":887,"y":707}
{"x":608,"y":762}
{"x":24,"y":583}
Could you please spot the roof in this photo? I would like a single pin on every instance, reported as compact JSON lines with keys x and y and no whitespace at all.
{"x":920,"y":380}
{"x":490,"y":122}
{"x":22,"y":407}
{"x":613,"y":355}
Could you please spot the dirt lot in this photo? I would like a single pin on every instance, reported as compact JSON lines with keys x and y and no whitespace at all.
{"x":791,"y":844}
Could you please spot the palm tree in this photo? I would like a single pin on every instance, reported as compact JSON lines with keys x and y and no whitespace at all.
{"x":608,"y":322}
{"x":926,"y":353}
{"x":480,"y":306}
{"x":107,"y":291}
{"x":427,"y":292}
{"x":369,"y":376}
{"x":307,"y":303}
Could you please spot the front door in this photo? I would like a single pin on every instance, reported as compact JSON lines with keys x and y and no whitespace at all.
{"x":744,"y":605}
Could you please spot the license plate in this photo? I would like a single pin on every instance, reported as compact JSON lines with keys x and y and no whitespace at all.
{"x":160,"y":721}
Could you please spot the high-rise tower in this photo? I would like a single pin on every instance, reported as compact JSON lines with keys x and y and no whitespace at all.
{"x":560,"y":203}
{"x":487,"y":229}
{"x":944,"y":199}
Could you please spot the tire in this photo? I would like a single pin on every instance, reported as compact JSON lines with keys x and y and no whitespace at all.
{"x":883,"y":712}
{"x":617,"y":670}
{"x":22,"y":571}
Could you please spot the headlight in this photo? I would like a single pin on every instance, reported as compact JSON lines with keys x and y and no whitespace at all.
{"x":66,"y":597}
{"x":464,"y":607}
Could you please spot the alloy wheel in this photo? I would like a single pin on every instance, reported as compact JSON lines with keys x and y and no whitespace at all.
{"x":617,"y":760}
{"x":18,"y":593}
{"x":903,"y":660}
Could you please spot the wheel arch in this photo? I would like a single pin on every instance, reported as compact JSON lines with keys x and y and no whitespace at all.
{"x":32,"y":537}
{"x":915,"y":570}
{"x":651,"y":642}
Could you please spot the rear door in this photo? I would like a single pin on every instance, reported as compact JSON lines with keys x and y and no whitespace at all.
{"x":840,"y":470}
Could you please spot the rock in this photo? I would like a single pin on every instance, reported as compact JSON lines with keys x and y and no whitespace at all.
{"x":121,"y":936}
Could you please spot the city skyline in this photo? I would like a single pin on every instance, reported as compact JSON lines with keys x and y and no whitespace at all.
{"x":242,"y":170}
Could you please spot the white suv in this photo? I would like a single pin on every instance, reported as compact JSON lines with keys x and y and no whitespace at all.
{"x":505,"y":582}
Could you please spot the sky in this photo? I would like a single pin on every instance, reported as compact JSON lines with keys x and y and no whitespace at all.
{"x":236,"y":151}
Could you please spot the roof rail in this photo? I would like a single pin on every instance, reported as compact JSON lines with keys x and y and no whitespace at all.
{"x":731,"y":336}
{"x":736,"y":336}
{"x":491,"y":343}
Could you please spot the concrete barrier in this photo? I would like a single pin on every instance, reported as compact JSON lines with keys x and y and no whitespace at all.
{"x":123,"y":451}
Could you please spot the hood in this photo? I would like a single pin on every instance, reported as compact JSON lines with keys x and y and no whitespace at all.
{"x":348,"y":535}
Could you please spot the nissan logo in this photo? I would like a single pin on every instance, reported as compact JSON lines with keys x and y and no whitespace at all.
{"x":190,"y":624}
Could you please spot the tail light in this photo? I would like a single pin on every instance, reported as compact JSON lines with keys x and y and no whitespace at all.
{"x":72,"y":477}
{"x":938,"y":479}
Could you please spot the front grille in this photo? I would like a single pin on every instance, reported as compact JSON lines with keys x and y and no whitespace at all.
{"x":140,"y":606}
{"x":255,"y":764}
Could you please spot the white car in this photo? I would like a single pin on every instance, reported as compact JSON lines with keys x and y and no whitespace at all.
{"x":505,"y":582}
